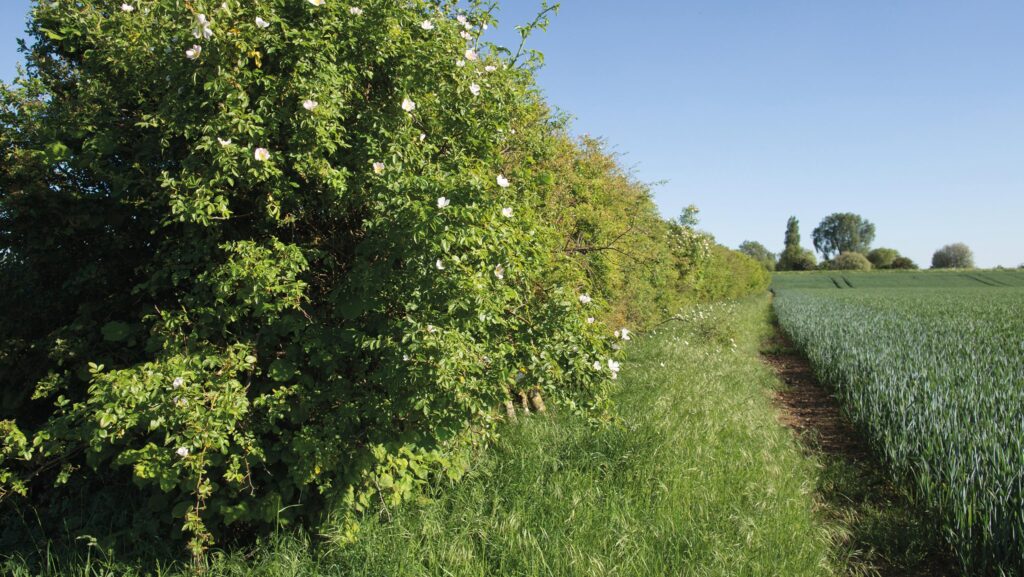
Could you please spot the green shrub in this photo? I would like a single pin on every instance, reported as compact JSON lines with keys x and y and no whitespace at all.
{"x":760,"y":253}
{"x":262,"y":261}
{"x":797,"y":259}
{"x":731,"y":275}
{"x":259,"y":258}
{"x":613,"y":231}
{"x":883,"y":258}
{"x":849,"y":261}
{"x":904,"y":263}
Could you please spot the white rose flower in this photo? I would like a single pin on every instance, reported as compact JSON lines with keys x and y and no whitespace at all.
{"x":461,"y":18}
{"x":507,"y":212}
{"x":439,"y":265}
{"x":502,"y":181}
{"x":475,"y":89}
{"x":443,"y":202}
{"x":355,"y":11}
{"x":490,"y":68}
{"x":597,"y":366}
{"x":623,"y":334}
{"x":613,"y":366}
{"x":261,"y":23}
{"x":194,"y":52}
{"x":408,"y":105}
{"x":460,"y":63}
{"x":177,"y":383}
{"x":465,"y":35}
{"x":499,"y":271}
{"x":310,"y":105}
{"x":203,"y":29}
{"x":224,"y":141}
{"x":471,"y":55}
{"x":378,"y":168}
{"x":127,"y":7}
{"x":182,"y":452}
{"x":590,"y":320}
{"x":427,"y":25}
{"x":585,"y":299}
{"x":261,"y":154}
{"x":317,"y":2}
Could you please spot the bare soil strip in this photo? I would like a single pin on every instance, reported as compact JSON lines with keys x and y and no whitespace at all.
{"x":807,"y":408}
{"x":877,"y":532}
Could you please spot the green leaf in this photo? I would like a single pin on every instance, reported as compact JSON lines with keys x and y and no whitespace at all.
{"x":181,"y":508}
{"x":52,"y":35}
{"x":115,"y":331}
{"x":281,"y":370}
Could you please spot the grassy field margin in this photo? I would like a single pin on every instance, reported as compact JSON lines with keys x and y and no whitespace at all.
{"x":698,"y":478}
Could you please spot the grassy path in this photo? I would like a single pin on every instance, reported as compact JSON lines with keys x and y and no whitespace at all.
{"x":699,"y":479}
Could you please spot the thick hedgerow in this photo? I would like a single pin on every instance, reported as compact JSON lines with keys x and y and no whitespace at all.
{"x":257,"y":257}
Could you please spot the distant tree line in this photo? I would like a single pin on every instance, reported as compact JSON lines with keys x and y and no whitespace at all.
{"x":843,"y":240}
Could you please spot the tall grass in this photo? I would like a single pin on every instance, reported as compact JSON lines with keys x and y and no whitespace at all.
{"x":697,"y":479}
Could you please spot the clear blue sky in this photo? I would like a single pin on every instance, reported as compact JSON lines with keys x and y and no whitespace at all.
{"x":909,"y":112}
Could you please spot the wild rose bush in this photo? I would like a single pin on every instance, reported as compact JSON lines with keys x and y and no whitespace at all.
{"x":256,"y":258}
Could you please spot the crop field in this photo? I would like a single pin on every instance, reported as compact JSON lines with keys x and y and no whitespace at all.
{"x":930,"y":366}
{"x":899,"y":279}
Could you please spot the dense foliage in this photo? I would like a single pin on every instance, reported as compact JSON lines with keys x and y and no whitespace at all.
{"x":760,"y":253}
{"x":882,"y":258}
{"x":889,"y":258}
{"x":956,"y":255}
{"x":903,"y":263}
{"x":644,"y":267}
{"x":259,"y":256}
{"x":256,"y":259}
{"x":731,"y":275}
{"x":849,"y":261}
{"x":794,"y":256}
{"x":934,"y":377}
{"x":611,"y":229}
{"x":843,"y":232}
